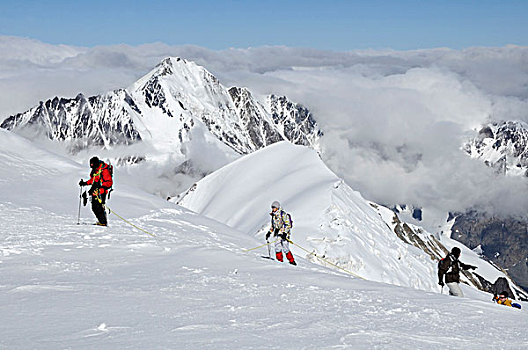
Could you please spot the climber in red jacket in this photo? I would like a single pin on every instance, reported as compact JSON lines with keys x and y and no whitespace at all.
{"x":101,"y":182}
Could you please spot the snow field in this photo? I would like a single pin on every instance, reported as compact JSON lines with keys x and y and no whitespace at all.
{"x":73,"y":286}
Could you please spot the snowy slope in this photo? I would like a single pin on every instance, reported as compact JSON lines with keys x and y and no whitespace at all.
{"x":437,"y":245}
{"x":329,"y":217}
{"x":193,"y":286}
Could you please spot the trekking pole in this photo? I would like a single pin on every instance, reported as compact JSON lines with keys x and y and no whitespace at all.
{"x":79,"y":212}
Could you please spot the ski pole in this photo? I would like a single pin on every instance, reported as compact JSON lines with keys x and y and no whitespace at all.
{"x":79,"y":212}
{"x":269,"y":249}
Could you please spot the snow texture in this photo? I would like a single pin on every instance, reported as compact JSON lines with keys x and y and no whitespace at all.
{"x":330,"y":219}
{"x":193,"y":285}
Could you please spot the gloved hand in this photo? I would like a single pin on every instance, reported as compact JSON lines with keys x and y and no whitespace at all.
{"x":268,"y":235}
{"x":84,"y":198}
{"x":441,"y":283}
{"x":82,"y":183}
{"x":473,"y":267}
{"x":283,"y":235}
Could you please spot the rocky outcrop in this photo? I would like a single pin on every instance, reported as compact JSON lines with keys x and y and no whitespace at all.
{"x":103,"y":120}
{"x":502,"y":241}
{"x":434,"y":248}
{"x":295,"y":121}
{"x":502,"y":146}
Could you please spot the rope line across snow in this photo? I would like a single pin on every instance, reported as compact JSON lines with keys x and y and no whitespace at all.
{"x":128,"y":222}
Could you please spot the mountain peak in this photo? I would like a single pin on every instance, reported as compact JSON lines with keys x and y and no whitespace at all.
{"x":166,"y":66}
{"x":167,"y":106}
{"x":177,"y":72}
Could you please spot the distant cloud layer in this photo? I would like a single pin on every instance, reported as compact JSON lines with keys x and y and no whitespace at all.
{"x":394,"y":121}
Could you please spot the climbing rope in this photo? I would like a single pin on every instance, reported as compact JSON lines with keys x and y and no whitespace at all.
{"x":260,"y":246}
{"x":310,"y":253}
{"x":125,"y":220}
{"x":325,"y":260}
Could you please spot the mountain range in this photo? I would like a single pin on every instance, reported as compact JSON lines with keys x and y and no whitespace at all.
{"x":181,"y":109}
{"x":503,"y":146}
{"x":165,"y":108}
{"x":196,"y":283}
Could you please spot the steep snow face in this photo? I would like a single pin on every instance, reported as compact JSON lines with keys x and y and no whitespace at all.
{"x":502,"y":146}
{"x":330,"y":219}
{"x":180,"y":96}
{"x":193,"y":98}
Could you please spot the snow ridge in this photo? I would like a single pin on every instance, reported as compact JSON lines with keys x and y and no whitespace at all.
{"x":330,"y":219}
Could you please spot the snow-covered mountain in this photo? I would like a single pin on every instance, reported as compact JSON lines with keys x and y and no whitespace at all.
{"x":330,"y":219}
{"x":103,"y":120}
{"x":194,"y":285}
{"x":165,"y":108}
{"x":502,"y":146}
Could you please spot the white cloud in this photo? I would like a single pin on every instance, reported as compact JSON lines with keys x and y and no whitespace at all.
{"x":394,"y":121}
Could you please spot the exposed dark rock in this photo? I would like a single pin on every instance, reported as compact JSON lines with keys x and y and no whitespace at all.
{"x":417,"y":214}
{"x":503,"y":241}
{"x":299,"y":126}
{"x":434,"y":248}
{"x":502,"y":146}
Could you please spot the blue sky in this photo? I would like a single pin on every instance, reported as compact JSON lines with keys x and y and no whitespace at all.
{"x":329,"y":25}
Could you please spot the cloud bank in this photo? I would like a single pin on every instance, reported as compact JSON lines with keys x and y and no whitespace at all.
{"x":394,"y":121}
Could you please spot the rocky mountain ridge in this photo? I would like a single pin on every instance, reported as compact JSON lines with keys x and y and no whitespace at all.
{"x":164,"y":107}
{"x":502,"y":146}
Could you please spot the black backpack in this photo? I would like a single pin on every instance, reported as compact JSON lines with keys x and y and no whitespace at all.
{"x":442,"y":260}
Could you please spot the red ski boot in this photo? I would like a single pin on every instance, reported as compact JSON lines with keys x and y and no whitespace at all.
{"x":289,"y":256}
